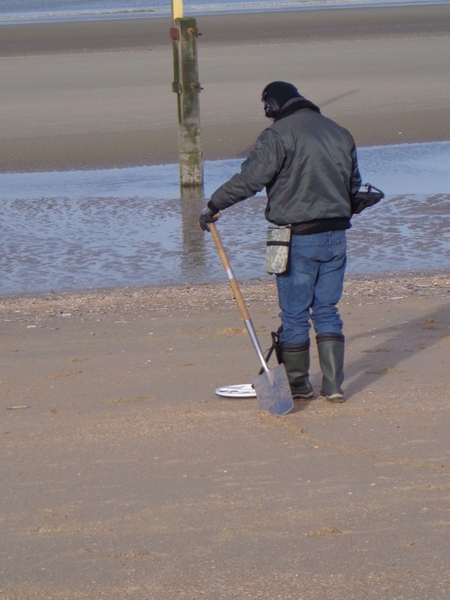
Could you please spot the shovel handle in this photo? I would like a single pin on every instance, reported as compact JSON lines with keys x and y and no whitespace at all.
{"x":238,"y":296}
{"x":229,"y":271}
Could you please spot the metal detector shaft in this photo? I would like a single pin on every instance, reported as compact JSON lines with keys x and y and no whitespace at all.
{"x":238,"y":295}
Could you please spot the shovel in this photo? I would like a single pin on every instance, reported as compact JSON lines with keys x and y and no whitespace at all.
{"x":271,"y":386}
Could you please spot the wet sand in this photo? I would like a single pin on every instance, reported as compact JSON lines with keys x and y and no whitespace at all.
{"x":98,"y":95}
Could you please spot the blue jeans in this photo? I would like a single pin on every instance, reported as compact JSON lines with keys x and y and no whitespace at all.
{"x":312,"y":286}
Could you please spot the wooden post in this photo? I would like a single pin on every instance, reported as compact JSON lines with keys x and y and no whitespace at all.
{"x":187,"y":87}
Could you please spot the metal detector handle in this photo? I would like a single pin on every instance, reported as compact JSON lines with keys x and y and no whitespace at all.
{"x":238,"y":295}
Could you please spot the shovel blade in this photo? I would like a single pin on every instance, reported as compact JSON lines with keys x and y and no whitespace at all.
{"x":273,"y":391}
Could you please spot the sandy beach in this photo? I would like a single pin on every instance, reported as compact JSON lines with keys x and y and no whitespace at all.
{"x":99,"y":95}
{"x":123,"y":475}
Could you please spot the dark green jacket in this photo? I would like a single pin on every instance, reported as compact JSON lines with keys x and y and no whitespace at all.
{"x":308,"y":165}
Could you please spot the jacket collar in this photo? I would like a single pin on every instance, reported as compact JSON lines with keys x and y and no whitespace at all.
{"x":295,"y":105}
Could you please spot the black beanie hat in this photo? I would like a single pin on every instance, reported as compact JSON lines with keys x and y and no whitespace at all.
{"x":276,"y":94}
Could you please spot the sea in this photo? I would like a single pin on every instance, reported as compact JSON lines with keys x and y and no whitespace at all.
{"x":20,"y":11}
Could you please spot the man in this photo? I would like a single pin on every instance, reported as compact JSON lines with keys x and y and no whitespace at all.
{"x":308,"y":165}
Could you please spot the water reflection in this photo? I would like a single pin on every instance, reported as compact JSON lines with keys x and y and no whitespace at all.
{"x":193,"y":248}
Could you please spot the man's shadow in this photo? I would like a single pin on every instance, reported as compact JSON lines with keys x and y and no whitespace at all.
{"x":408,"y":339}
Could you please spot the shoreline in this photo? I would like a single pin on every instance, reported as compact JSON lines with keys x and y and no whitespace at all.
{"x":98,"y":95}
{"x":370,"y":288}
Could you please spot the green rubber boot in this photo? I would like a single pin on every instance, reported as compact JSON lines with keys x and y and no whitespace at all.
{"x":331,"y":359}
{"x":296,"y":363}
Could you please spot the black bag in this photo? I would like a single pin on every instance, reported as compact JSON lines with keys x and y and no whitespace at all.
{"x":363,"y":200}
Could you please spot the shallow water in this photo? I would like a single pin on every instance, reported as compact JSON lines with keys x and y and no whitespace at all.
{"x":122,"y":227}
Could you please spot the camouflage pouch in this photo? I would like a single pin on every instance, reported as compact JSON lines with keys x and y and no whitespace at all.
{"x":277,"y":249}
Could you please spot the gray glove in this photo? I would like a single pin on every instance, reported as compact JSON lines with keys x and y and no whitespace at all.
{"x":207,"y":216}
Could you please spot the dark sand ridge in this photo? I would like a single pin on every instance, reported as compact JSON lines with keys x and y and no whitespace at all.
{"x":98,"y":94}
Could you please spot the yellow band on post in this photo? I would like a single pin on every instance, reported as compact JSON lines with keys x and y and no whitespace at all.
{"x":177,"y":9}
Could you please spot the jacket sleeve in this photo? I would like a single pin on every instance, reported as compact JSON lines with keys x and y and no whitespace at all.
{"x":355,"y":179}
{"x":256,"y":172}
